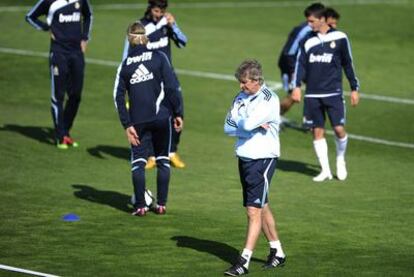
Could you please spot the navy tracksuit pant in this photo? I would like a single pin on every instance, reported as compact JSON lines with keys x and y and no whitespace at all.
{"x":67,"y":71}
{"x":157,"y":133}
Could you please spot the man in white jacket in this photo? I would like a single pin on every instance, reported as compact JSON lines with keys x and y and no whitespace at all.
{"x":254,"y":119}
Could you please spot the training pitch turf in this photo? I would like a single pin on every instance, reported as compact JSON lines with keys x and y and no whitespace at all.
{"x":360,"y":227}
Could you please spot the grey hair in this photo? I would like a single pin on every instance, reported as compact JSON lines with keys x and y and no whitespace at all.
{"x":250,"y":69}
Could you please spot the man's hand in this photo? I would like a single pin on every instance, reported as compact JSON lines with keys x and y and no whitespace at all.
{"x":354,"y":98}
{"x":265,"y":126}
{"x":296,"y":95}
{"x":170,"y":18}
{"x":84,"y":45}
{"x":178,"y":124}
{"x":132,"y":136}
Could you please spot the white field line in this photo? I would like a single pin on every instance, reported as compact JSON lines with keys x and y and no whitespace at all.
{"x":390,"y":99}
{"x":376,"y":140}
{"x":232,"y":5}
{"x":273,"y":84}
{"x":228,"y":77}
{"x":21,"y":270}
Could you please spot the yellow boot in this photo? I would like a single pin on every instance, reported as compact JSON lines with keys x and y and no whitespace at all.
{"x":151,"y":163}
{"x":176,"y":161}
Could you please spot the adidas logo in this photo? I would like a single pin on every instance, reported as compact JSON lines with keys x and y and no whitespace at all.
{"x":257,"y":201}
{"x":141,"y":74}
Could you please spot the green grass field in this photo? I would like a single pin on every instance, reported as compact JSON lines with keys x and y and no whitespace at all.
{"x":360,"y":227}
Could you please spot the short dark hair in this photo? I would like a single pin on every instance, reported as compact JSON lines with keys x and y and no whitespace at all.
{"x":162,"y":4}
{"x":315,"y":9}
{"x":332,"y":13}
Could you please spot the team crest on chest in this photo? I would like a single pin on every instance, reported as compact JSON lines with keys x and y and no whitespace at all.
{"x":332,"y":45}
{"x":164,"y":31}
{"x":77,"y":5}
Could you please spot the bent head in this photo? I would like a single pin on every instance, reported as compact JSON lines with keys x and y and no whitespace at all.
{"x":136,"y":34}
{"x":315,"y":15}
{"x":250,"y":76}
{"x":332,"y":17}
{"x":156,"y":9}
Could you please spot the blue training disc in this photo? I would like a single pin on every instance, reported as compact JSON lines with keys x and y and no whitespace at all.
{"x":71,"y":217}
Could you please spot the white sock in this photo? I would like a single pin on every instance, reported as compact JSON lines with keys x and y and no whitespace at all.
{"x":247,"y":254}
{"x":341,"y":144}
{"x":321,"y":150}
{"x":276,"y":244}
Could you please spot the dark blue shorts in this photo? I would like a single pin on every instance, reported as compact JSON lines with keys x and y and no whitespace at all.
{"x":315,"y":110}
{"x":255,"y":176}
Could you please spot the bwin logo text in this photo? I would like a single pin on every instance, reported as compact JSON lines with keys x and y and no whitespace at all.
{"x":74,"y":17}
{"x":325,"y":58}
{"x":146,"y":56}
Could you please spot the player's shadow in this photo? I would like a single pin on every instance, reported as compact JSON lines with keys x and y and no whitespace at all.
{"x":221,"y":250}
{"x":296,"y":166}
{"x":113,"y":199}
{"x":41,"y":134}
{"x":115,"y":151}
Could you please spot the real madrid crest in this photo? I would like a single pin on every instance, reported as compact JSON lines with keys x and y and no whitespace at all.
{"x":333,"y":44}
{"x":77,"y":5}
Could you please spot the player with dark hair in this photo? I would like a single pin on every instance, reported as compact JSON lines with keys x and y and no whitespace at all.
{"x":69,"y":24}
{"x":322,"y":56}
{"x":161,"y":27}
{"x":287,"y":58}
{"x":332,"y":17}
{"x":147,"y":77}
{"x":254,"y":120}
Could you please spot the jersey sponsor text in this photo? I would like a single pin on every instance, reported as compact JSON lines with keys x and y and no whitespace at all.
{"x":325,"y":58}
{"x":146,"y":56}
{"x":66,"y":18}
{"x":163,"y":42}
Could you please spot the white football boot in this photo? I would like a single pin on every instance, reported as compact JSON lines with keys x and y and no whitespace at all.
{"x":341,"y":172}
{"x":322,"y":177}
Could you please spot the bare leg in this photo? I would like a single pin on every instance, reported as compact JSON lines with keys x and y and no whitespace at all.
{"x":276,"y":256}
{"x":254,"y":219}
{"x":339,"y":131}
{"x":318,"y":133}
{"x":254,"y":216}
{"x":269,"y":224}
{"x":286,"y":104}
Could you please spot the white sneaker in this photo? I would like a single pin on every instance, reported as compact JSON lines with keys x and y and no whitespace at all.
{"x":322,"y":177}
{"x":341,"y":172}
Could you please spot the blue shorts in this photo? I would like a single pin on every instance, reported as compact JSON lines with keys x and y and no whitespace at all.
{"x":255,"y":176}
{"x":315,"y":110}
